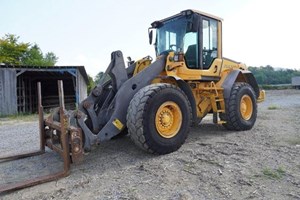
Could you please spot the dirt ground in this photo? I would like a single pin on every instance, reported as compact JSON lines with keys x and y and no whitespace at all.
{"x":263,"y":163}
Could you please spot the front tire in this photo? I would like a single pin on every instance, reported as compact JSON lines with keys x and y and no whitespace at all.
{"x":241,"y":108}
{"x":159,"y":117}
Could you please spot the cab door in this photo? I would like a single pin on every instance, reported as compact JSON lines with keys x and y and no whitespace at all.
{"x":208,"y":42}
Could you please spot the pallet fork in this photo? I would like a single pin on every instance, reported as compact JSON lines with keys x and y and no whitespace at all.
{"x":59,"y":136}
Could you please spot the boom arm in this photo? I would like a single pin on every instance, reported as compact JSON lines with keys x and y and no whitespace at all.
{"x":103,"y":114}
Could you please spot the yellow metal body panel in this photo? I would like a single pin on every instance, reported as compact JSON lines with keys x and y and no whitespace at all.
{"x":117,"y":123}
{"x":142,"y":64}
{"x":262,"y":96}
{"x":217,"y":69}
{"x":208,"y":98}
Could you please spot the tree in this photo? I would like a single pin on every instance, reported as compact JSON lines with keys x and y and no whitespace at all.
{"x":269,"y":76}
{"x":98,"y":77}
{"x":101,"y":75}
{"x":90,"y":85}
{"x":13,"y":52}
{"x":50,"y":59}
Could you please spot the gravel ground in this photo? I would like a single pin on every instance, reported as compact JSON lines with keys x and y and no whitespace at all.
{"x":263,"y":163}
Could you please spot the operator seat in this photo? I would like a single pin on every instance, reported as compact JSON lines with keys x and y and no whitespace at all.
{"x":191,"y":57}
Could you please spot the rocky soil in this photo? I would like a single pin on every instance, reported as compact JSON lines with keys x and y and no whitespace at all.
{"x":263,"y":163}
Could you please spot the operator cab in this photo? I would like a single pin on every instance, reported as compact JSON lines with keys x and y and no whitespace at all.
{"x":195,"y":34}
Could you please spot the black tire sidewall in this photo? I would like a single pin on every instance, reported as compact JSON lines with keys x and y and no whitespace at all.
{"x":153,"y":137}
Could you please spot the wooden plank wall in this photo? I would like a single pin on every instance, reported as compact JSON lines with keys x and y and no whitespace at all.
{"x":81,"y":87}
{"x":8,"y":93}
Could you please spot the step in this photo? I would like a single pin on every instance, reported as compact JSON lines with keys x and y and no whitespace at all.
{"x":219,"y":100}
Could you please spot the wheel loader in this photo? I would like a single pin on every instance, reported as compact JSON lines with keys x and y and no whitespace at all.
{"x":156,"y":101}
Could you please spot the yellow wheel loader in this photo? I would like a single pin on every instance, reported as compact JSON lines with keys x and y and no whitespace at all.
{"x":156,"y":102}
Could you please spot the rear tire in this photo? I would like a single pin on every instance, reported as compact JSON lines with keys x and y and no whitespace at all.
{"x":158,"y":118}
{"x":241,"y":108}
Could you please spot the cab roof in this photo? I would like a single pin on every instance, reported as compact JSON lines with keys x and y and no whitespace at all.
{"x":188,"y":12}
{"x":204,"y":14}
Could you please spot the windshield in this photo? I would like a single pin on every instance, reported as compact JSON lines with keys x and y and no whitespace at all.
{"x":174,"y":36}
{"x":170,"y":35}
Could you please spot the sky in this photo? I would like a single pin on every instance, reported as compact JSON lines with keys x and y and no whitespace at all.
{"x":85,"y":32}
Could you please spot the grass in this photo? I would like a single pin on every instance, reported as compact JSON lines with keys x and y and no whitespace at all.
{"x":24,"y":117}
{"x":277,"y":87}
{"x":293,"y":141}
{"x":274,"y":173}
{"x":273,"y":107}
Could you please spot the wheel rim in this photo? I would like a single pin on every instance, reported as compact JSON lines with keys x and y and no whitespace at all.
{"x":246,"y":107}
{"x":168,"y":119}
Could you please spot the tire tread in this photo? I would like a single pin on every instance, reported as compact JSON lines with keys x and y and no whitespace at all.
{"x":135,"y":116}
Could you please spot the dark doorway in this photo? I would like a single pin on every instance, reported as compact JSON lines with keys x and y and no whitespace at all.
{"x":27,"y":90}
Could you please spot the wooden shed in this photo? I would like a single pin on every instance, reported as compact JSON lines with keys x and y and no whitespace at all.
{"x":18,"y":87}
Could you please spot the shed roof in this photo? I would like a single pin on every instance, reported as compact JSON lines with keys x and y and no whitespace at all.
{"x":49,"y":69}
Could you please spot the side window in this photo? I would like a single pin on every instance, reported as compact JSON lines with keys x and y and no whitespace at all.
{"x":190,"y":49}
{"x":210,"y":41}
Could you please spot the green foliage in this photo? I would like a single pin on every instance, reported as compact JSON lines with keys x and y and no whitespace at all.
{"x":274,"y":174}
{"x":103,"y":76}
{"x":277,"y":87}
{"x":91,"y":84}
{"x":269,"y":76}
{"x":50,"y":59}
{"x":98,"y":77}
{"x":294,"y":141}
{"x":21,"y":117}
{"x":272,"y":107}
{"x":13,"y":52}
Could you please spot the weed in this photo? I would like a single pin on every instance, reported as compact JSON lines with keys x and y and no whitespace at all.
{"x":274,"y":174}
{"x":294,"y":141}
{"x":280,"y":170}
{"x":277,"y":87}
{"x":273,"y":107}
{"x":24,"y":117}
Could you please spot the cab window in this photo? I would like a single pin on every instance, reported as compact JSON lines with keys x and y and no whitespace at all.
{"x":209,"y":42}
{"x":190,"y":49}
